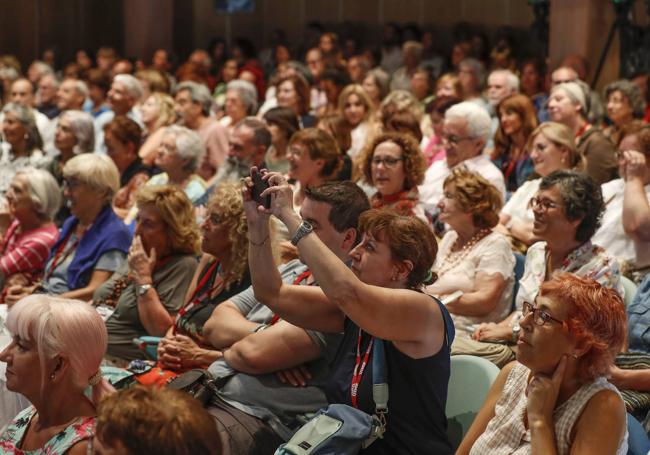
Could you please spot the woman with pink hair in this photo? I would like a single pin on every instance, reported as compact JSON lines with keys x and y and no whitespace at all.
{"x":55,"y":354}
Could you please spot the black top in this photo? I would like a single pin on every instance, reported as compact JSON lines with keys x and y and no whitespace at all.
{"x":136,"y":167}
{"x":416,"y":421}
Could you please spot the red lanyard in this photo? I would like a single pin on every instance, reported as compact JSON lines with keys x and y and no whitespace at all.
{"x":359,"y":368}
{"x":59,"y":251}
{"x":581,"y":131}
{"x":303,"y":276}
{"x":196,"y":298}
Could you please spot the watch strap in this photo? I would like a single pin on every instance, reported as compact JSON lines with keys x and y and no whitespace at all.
{"x":304,"y":229}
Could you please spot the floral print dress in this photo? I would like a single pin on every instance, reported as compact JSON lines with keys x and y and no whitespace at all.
{"x":80,"y":429}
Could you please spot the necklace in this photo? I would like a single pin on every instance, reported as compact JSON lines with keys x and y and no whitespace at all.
{"x":452,"y":258}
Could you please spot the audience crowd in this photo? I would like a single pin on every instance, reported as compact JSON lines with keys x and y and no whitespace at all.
{"x":279,"y":218}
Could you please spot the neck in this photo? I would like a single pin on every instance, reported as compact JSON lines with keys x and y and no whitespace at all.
{"x":123,"y":164}
{"x":280,"y":148}
{"x":87,"y":218}
{"x":313,"y":182}
{"x":519,"y":139}
{"x":226,"y":262}
{"x":66,"y":155}
{"x":178,"y":176}
{"x":466,"y":232}
{"x":77,"y":405}
{"x":31,"y":221}
{"x":19,"y":148}
{"x":196,"y":123}
{"x":150,"y":127}
{"x":559,"y":251}
{"x":576,"y":123}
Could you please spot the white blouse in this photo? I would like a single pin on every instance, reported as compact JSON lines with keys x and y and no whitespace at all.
{"x":517,"y":206}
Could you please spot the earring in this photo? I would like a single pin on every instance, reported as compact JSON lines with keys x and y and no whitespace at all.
{"x":52,"y":376}
{"x":26,"y":136}
{"x":575,"y":356}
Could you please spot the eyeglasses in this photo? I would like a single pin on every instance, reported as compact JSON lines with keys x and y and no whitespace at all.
{"x":388,"y":162}
{"x":542,"y":204}
{"x":540,"y":317}
{"x":71,"y":184}
{"x":454,"y":140}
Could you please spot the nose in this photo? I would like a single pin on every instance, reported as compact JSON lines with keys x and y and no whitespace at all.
{"x":527,"y":321}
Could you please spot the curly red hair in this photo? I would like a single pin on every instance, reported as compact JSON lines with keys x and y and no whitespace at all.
{"x":596,"y":320}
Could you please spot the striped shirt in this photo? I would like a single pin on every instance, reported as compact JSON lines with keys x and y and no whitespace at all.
{"x":26,"y":252}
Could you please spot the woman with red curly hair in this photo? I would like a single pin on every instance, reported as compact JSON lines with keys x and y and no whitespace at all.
{"x":555,"y":397}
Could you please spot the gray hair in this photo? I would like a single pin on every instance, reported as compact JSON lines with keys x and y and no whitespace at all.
{"x":247,"y":94}
{"x":189,"y":145}
{"x":25,"y":116}
{"x":477,"y":68}
{"x":632,"y":92}
{"x":42,"y":67}
{"x":199,"y":94}
{"x":9,"y":74}
{"x":131,"y":83}
{"x":83,"y":128}
{"x":96,"y":170}
{"x":511,"y":79}
{"x":478,"y":120}
{"x":382,"y":79}
{"x":43,"y":191}
{"x":81,"y":87}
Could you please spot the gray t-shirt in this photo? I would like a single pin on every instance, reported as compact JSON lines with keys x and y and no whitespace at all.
{"x":284,"y":407}
{"x":170,"y":281}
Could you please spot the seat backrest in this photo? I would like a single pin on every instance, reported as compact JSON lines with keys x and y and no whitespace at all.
{"x":630,"y":290}
{"x":470,"y":380}
{"x":520,"y":261}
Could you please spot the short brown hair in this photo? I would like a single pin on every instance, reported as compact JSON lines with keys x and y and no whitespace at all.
{"x":125,"y":130}
{"x":156,"y":420}
{"x":474,"y":194}
{"x":414,"y":163}
{"x":320,"y":145}
{"x":409,"y":239}
{"x":177,"y":213}
{"x":301,"y":86}
{"x":346,"y":199}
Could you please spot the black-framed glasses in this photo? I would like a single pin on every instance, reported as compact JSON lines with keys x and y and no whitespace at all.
{"x":387,"y":161}
{"x":71,"y":184}
{"x":540,"y":317}
{"x":538,"y":203}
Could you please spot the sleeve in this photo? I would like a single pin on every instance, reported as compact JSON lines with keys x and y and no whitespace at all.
{"x":110,"y":261}
{"x":327,"y":342}
{"x":245,"y":300}
{"x":517,"y":200}
{"x":172,"y":286}
{"x":28,"y":256}
{"x":496,"y":257}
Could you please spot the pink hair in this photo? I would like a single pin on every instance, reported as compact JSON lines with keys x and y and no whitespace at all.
{"x":70,"y":328}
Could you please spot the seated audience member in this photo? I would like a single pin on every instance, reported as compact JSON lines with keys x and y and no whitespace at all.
{"x":71,"y":95}
{"x":48,"y":85}
{"x":532,"y":71}
{"x":405,"y":122}
{"x":151,"y":420}
{"x":22,"y":145}
{"x":125,"y":93}
{"x":332,"y":81}
{"x":552,"y":149}
{"x":338,"y":127}
{"x":22,"y":93}
{"x":501,"y":84}
{"x":241,"y":102}
{"x":152,"y":81}
{"x":449,"y":85}
{"x":625,"y":103}
{"x":433,"y":148}
{"x":376,"y":85}
{"x":472,"y":258}
{"x":464,"y":134}
{"x":357,"y":109}
{"x":193,"y":104}
{"x":157,"y":113}
{"x":148,"y":290}
{"x":556,"y":398}
{"x":625,"y":228}
{"x":567,"y":105}
{"x":99,"y":83}
{"x":411,"y":58}
{"x":57,"y":347}
{"x":282,"y":124}
{"x":378,"y":296}
{"x":293,"y":92}
{"x":122,"y":137}
{"x":93,"y":242}
{"x":567,"y":209}
{"x":74,"y":134}
{"x":256,"y":344}
{"x":517,"y":120}
{"x":394,"y":165}
{"x":33,"y":199}
{"x":471,"y":76}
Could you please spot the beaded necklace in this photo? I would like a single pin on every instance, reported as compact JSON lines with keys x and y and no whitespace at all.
{"x":450,"y":262}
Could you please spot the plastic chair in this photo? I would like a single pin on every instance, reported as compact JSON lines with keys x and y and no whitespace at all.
{"x":470,"y":380}
{"x":630,"y":290}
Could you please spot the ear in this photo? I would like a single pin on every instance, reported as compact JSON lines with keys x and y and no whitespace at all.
{"x":480,"y":144}
{"x":320,"y":162}
{"x":575,"y":223}
{"x":402,"y":270}
{"x":349,"y":239}
{"x":57,"y":368}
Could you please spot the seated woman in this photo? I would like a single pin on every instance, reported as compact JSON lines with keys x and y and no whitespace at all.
{"x":93,"y":242}
{"x":394,"y":165}
{"x":282,"y":123}
{"x":567,"y":209}
{"x":472,"y":258}
{"x":33,"y":198}
{"x":157,"y":113}
{"x":179,"y":156}
{"x":147,"y":291}
{"x":122,"y":137}
{"x":556,"y":398}
{"x":175,"y":424}
{"x":222,"y":273}
{"x":517,"y":120}
{"x":376,"y":85}
{"x":54,"y":357}
{"x":357,"y":109}
{"x":377,"y":298}
{"x":625,"y":103}
{"x":552,"y":149}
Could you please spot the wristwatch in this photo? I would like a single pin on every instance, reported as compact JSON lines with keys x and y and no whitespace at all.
{"x":515,"y":332}
{"x":304,"y":229}
{"x":141,"y":289}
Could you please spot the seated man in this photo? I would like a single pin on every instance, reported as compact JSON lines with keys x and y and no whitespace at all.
{"x":264,"y":358}
{"x":466,"y":130}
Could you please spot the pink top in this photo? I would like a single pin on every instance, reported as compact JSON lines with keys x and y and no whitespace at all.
{"x":26,"y":252}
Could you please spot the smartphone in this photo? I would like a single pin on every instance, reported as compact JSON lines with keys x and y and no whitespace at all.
{"x":259,"y":185}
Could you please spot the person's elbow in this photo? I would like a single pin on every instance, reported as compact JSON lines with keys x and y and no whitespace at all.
{"x":638,"y":229}
{"x":211,"y":333}
{"x":249,"y":358}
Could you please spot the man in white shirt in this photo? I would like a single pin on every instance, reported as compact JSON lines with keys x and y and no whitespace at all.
{"x":465,"y":132}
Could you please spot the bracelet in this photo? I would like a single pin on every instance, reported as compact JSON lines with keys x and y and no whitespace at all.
{"x":258,"y":244}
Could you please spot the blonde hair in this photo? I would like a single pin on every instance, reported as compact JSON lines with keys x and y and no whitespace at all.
{"x":95,"y":170}
{"x":475,"y":195}
{"x":356,"y":89}
{"x":561,"y":136}
{"x":177,"y":212}
{"x":166,"y":114}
